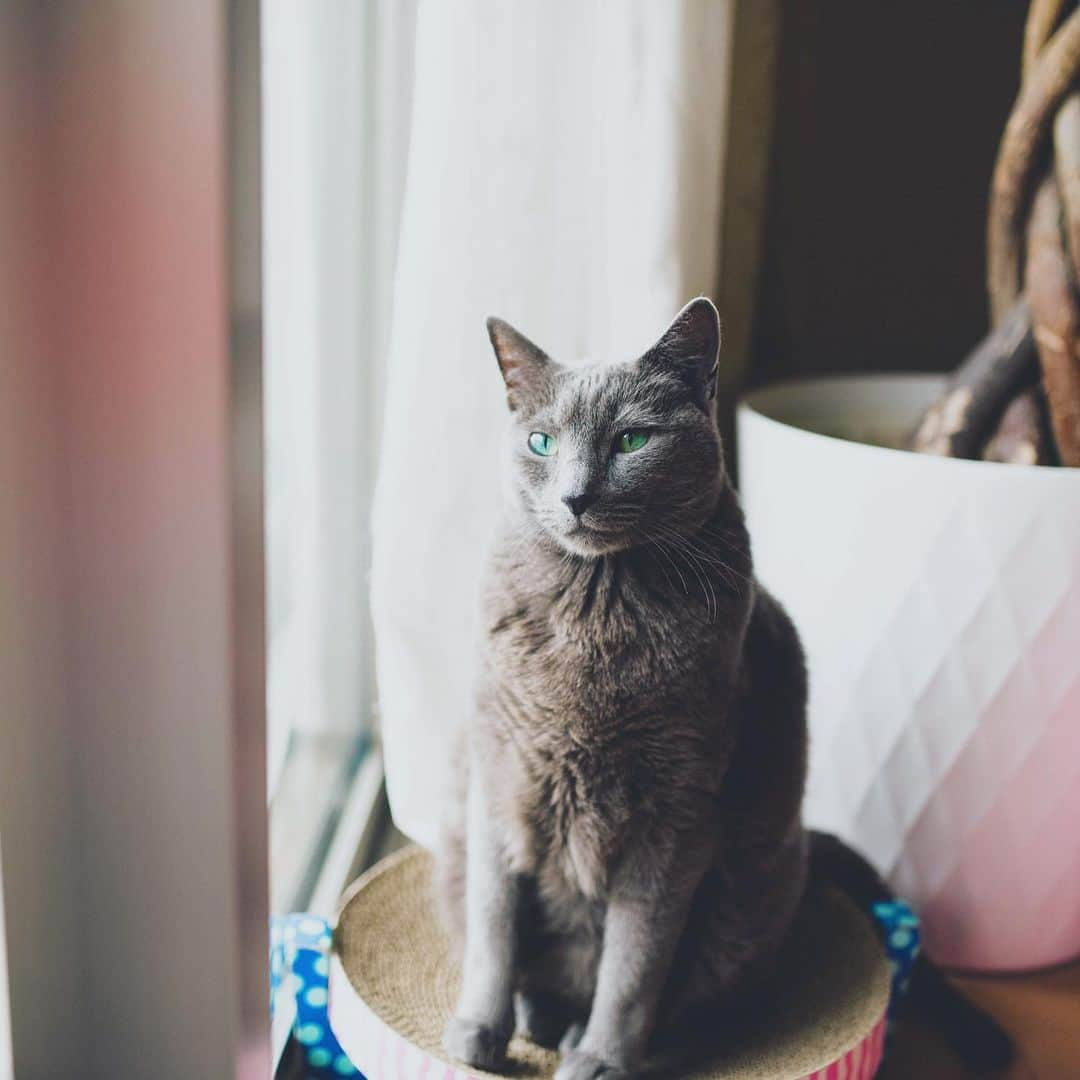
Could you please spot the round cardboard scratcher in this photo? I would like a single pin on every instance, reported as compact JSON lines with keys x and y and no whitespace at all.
{"x":394,"y":978}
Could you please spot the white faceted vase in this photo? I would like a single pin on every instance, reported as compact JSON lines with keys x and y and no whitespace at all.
{"x":939,"y":605}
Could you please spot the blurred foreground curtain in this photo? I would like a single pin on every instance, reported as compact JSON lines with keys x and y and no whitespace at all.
{"x":564,"y":172}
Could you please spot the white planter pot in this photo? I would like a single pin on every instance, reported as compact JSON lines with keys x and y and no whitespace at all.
{"x":939,"y":605}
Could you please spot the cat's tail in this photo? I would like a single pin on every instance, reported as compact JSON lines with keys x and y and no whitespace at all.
{"x":973,"y":1034}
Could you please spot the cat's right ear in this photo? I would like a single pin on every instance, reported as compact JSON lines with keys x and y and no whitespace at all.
{"x":690,"y":347}
{"x":526,"y":368}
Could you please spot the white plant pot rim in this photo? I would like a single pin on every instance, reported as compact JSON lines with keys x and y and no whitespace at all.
{"x":776,"y":403}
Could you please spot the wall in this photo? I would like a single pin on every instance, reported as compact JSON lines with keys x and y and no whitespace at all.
{"x":886,"y":128}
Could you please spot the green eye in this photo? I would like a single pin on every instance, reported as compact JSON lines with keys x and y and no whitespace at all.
{"x":542,"y":444}
{"x":629,"y":441}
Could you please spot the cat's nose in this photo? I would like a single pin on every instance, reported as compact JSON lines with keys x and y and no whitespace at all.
{"x":579,"y":503}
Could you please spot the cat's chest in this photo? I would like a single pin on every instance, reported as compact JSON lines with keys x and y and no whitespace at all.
{"x":574,"y":817}
{"x":595,"y":660}
{"x":601,"y":695}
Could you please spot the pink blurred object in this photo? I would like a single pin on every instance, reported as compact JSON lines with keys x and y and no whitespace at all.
{"x":1009,"y":897}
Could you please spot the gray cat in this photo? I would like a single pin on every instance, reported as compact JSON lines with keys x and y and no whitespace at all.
{"x":625,"y":851}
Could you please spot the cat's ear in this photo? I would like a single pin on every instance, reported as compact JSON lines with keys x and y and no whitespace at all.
{"x":690,"y":346}
{"x":526,"y":368}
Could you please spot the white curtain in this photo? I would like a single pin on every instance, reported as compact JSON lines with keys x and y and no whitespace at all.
{"x":564,"y":172}
{"x":337,"y":84}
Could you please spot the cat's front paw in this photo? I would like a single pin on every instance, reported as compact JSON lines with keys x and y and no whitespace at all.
{"x":476,"y":1044}
{"x":579,"y":1065}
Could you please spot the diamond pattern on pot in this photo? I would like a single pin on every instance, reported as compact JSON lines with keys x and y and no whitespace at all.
{"x":959,"y":752}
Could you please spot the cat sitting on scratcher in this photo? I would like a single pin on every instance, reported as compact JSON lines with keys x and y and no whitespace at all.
{"x":625,"y":851}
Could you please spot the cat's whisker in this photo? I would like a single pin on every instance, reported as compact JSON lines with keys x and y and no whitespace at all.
{"x":700,"y":559}
{"x":667,"y":577}
{"x":662,"y":539}
{"x":709,"y":594}
{"x":726,"y":569}
{"x":725,"y":537}
{"x":660,"y":547}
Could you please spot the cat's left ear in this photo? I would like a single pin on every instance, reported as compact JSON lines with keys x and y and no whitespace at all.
{"x":691,"y":347}
{"x":525,"y":367}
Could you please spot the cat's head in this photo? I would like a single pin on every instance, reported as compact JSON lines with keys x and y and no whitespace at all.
{"x":610,"y":457}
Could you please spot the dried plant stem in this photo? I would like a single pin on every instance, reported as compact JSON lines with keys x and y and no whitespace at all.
{"x":1049,"y":80}
{"x":1067,"y":174}
{"x":1055,"y":318}
{"x":1022,"y":437}
{"x":1002,"y":365}
{"x":1043,"y":17}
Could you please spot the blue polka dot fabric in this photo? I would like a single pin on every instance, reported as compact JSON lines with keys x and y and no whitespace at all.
{"x":900,"y":935}
{"x":300,"y":966}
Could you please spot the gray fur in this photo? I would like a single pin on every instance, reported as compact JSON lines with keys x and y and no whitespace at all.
{"x":625,"y":847}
